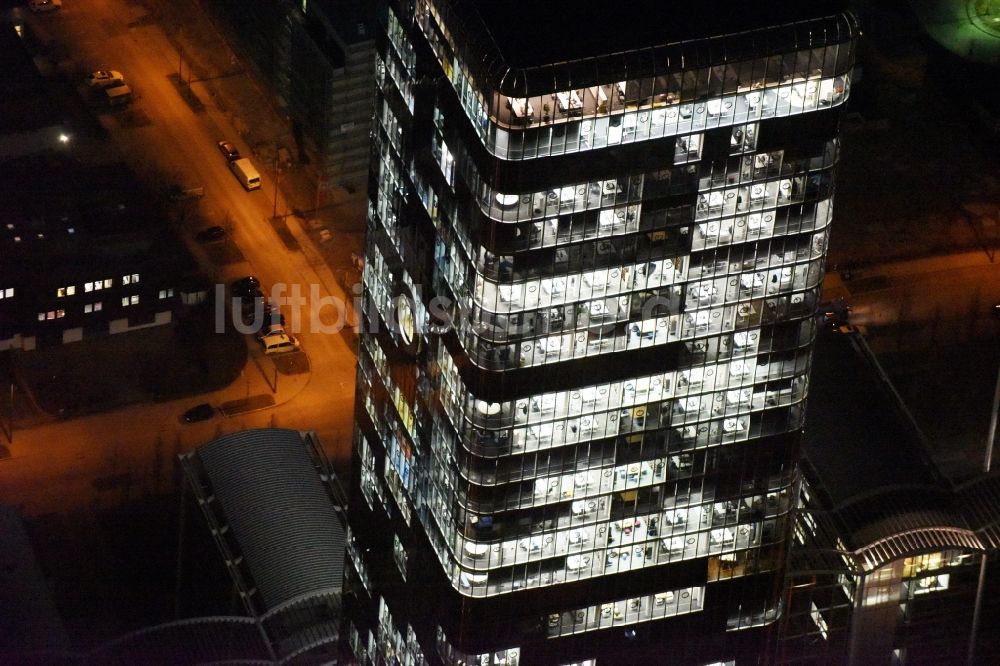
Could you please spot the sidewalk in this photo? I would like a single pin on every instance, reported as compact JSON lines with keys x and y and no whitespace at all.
{"x":264,"y":382}
{"x":333,"y":219}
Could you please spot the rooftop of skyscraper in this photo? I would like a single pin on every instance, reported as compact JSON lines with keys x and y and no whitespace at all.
{"x":530,"y":34}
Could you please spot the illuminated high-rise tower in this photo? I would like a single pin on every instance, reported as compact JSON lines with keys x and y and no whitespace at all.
{"x":595,"y":242}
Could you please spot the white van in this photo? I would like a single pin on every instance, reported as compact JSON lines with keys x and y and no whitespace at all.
{"x":245,"y":172}
{"x":279,"y":343}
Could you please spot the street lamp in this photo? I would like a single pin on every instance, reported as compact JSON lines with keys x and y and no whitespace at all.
{"x":277,"y":178}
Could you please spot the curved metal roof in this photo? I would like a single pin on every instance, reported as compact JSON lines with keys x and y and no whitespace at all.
{"x":981,"y":504}
{"x":868,"y":461}
{"x":278,"y":511}
{"x":916,"y":542}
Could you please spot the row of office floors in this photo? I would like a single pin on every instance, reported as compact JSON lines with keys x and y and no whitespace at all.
{"x":580,"y":401}
{"x":601,"y":477}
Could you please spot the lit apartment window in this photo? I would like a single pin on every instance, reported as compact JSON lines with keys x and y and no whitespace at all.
{"x":166,"y":293}
{"x":92,"y":307}
{"x":60,"y":314}
{"x":51,"y":314}
{"x":107,"y":283}
{"x":6,"y":293}
{"x":130,"y":279}
{"x":96,"y":285}
{"x":129,"y":300}
{"x":65,"y":291}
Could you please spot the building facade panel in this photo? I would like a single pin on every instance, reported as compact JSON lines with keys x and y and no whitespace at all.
{"x":588,"y":315}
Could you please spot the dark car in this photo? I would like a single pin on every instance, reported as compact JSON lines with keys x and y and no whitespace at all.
{"x":274,"y":318}
{"x":211,"y":234}
{"x":201,"y":412}
{"x":246,"y":287}
{"x":229,"y":151}
{"x":272,"y":314}
{"x":834,"y":313}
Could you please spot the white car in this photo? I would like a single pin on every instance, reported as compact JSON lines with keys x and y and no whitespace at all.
{"x":105,"y":78}
{"x":279,"y":344}
{"x":44,"y":5}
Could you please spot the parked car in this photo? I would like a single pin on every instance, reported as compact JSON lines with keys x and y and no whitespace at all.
{"x":104,"y":78}
{"x":117,"y":94}
{"x":229,"y":151}
{"x":269,"y":330}
{"x":201,"y":412}
{"x":833,"y":313}
{"x":274,"y":317}
{"x":44,"y":5}
{"x":211,"y":234}
{"x":246,"y":287}
{"x":279,"y":344}
{"x":273,"y":313}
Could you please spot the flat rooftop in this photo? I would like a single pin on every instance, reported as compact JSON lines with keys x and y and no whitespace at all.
{"x":531,"y":33}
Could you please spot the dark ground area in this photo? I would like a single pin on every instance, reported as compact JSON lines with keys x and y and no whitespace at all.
{"x":918,"y":177}
{"x":129,"y":580}
{"x":949,"y":391}
{"x":164,"y":362}
{"x":911,"y":151}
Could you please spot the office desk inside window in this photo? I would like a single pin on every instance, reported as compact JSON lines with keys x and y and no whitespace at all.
{"x":564,"y":196}
{"x":521,"y":108}
{"x":569,"y":102}
{"x":611,"y":187}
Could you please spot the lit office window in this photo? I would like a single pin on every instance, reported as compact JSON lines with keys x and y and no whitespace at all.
{"x":65,"y":291}
{"x":92,"y":307}
{"x":7,"y":293}
{"x":129,"y":300}
{"x":166,"y":293}
{"x":818,"y":619}
{"x":130,"y":279}
{"x":399,"y":555}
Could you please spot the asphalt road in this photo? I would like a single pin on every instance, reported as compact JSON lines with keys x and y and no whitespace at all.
{"x":96,"y":459}
{"x":922,"y":303}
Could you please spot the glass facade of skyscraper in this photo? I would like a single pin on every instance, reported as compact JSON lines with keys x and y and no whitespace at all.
{"x":588,"y":323}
